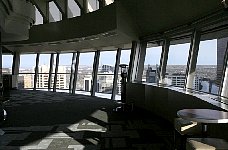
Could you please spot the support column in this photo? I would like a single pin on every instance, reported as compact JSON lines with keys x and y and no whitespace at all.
{"x":95,"y":71}
{"x":140,"y":66}
{"x":224,"y":82}
{"x":118,"y":54}
{"x":85,"y":9}
{"x":15,"y":69}
{"x":1,"y":84}
{"x":56,"y":72}
{"x":72,"y":72}
{"x":134,"y":58}
{"x":50,"y":71}
{"x":75,"y":72}
{"x":163,"y":60}
{"x":191,"y":68}
{"x":101,"y":3}
{"x":36,"y":70}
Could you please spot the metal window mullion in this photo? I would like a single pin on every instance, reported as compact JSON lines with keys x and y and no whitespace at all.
{"x":95,"y":71}
{"x":72,"y":72}
{"x":50,"y":71}
{"x":188,"y":63}
{"x":15,"y":68}
{"x":16,"y":63}
{"x":75,"y":73}
{"x":193,"y":59}
{"x":118,"y":54}
{"x":36,"y":70}
{"x":140,"y":66}
{"x":163,"y":60}
{"x":134,"y":57}
{"x":1,"y":58}
{"x":223,"y":90}
{"x":85,"y":9}
{"x":102,"y":3}
{"x":56,"y":72}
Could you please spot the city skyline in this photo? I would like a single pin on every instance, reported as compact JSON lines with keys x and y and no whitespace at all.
{"x":178,"y":55}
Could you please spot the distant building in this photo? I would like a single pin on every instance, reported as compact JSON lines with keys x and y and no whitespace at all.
{"x":151,"y":75}
{"x":43,"y":75}
{"x":178,"y":79}
{"x":221,"y":49}
{"x":107,"y":68}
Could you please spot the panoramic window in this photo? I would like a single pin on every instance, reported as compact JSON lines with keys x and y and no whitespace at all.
{"x":73,"y":9}
{"x":55,"y":14}
{"x":85,"y":69}
{"x":64,"y":70}
{"x":39,"y":18}
{"x":176,"y":64}
{"x":206,"y":68}
{"x":7,"y":61}
{"x":151,"y":64}
{"x":26,"y":71}
{"x":106,"y":74}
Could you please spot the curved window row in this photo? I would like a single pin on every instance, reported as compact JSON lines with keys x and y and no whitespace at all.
{"x":200,"y":69}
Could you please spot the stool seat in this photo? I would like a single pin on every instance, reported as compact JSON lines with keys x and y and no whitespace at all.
{"x":185,"y":127}
{"x":206,"y":144}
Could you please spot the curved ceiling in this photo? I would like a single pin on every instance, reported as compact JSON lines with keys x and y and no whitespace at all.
{"x":125,"y":20}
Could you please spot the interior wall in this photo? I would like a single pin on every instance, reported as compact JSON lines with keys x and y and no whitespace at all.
{"x":166,"y":102}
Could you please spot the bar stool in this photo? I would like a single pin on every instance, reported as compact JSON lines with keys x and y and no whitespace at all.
{"x":206,"y":144}
{"x":184,"y":129}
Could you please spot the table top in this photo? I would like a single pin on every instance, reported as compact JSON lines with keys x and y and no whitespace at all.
{"x":204,"y":115}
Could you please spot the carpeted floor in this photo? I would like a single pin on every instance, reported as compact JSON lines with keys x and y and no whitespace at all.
{"x":61,"y":121}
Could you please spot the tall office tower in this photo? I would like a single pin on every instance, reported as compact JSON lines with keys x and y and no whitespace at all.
{"x":43,"y":75}
{"x":221,"y":49}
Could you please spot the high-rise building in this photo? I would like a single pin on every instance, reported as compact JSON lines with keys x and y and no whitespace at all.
{"x":43,"y":75}
{"x":178,"y":79}
{"x":221,"y":49}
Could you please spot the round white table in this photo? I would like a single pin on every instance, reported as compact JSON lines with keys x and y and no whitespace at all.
{"x":204,"y":116}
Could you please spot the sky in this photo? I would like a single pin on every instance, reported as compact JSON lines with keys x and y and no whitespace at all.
{"x":178,"y":55}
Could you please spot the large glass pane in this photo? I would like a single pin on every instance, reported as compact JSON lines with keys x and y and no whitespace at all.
{"x":7,"y":61}
{"x":93,"y":5}
{"x":43,"y":71}
{"x":64,"y":70}
{"x":85,"y":70}
{"x":206,"y":68}
{"x":176,"y":65}
{"x":26,"y":71}
{"x":73,"y":9}
{"x":151,"y":64}
{"x":55,"y":14}
{"x":106,"y":74}
{"x":39,"y":18}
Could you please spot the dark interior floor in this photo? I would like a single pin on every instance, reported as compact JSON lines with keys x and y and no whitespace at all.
{"x":59,"y":121}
